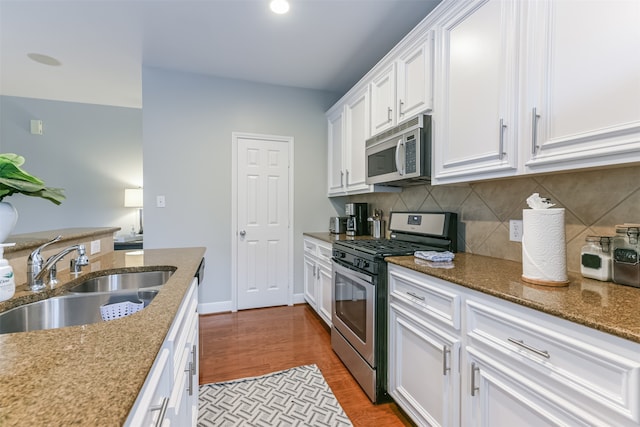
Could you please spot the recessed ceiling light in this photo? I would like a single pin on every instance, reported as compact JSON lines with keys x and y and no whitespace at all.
{"x":44,"y":59}
{"x":279,"y":6}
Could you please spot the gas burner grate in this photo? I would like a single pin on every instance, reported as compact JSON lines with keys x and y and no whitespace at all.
{"x":385,"y":247}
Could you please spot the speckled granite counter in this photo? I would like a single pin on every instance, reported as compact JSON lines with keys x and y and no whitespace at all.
{"x":605,"y":306}
{"x":91,"y":374}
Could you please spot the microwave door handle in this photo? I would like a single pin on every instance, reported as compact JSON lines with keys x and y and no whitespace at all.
{"x":399,"y":165}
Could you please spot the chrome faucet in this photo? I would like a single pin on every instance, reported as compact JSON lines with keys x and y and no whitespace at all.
{"x":37,"y":268}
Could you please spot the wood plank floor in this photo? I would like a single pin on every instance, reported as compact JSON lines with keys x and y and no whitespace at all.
{"x":260,"y":341}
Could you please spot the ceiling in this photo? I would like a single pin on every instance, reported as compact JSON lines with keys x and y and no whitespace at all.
{"x":102,"y":44}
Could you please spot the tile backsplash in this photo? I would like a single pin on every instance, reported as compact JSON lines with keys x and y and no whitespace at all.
{"x":594,"y":201}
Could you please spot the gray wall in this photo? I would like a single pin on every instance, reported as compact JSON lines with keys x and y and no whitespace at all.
{"x":94,"y":152}
{"x":188,"y":120}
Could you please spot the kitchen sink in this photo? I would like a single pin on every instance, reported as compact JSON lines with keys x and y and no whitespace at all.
{"x":66,"y":310}
{"x":123,"y":281}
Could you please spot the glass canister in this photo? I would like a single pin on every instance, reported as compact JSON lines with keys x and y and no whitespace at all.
{"x":595,"y":258}
{"x":626,"y":269}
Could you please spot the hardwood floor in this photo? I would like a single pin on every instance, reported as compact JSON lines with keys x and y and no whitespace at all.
{"x":260,"y":341}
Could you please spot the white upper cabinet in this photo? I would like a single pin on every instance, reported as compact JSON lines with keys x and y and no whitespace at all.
{"x":336,"y":167}
{"x":356,"y":112}
{"x":415,"y":79}
{"x":536,"y":86}
{"x":383,"y":100}
{"x":583,"y":100}
{"x":476,"y":107}
{"x":403,"y":88}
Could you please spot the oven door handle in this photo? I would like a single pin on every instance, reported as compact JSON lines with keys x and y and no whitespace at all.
{"x":352,"y":274}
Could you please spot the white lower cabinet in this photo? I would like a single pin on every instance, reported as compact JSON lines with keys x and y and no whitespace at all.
{"x":169,"y":396}
{"x":317,"y":276}
{"x":511,"y":365}
{"x":423,"y":373}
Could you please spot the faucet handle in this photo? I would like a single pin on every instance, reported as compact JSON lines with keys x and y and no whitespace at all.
{"x":36,"y":256}
{"x":82,"y":259}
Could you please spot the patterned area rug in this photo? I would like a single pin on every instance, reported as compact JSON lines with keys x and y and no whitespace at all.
{"x":294,"y":397}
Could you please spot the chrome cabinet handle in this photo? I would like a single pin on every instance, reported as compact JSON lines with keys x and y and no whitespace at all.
{"x":242,"y":233}
{"x":347,"y":177}
{"x":501,"y":147}
{"x":474,"y":387}
{"x":193,"y":359}
{"x":190,"y":372}
{"x":400,"y":104}
{"x":526,"y":346}
{"x":534,"y":130}
{"x":415,"y":296}
{"x":445,"y":353}
{"x":163,"y":411}
{"x":389,"y":110}
{"x":341,"y":178}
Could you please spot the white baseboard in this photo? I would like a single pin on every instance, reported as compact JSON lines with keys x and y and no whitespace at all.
{"x":214,"y":307}
{"x":226,"y":306}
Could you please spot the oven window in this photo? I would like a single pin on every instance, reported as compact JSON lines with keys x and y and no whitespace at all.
{"x":382,"y":162}
{"x":351,"y":305}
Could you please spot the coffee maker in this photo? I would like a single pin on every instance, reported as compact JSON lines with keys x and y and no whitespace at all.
{"x":357,"y":215}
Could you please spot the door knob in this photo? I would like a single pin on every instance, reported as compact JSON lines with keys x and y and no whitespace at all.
{"x":242,"y":233}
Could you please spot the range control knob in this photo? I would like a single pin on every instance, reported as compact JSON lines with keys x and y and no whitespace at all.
{"x":339,"y":254}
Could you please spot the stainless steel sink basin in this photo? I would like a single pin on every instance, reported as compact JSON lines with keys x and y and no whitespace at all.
{"x":123,"y":281}
{"x":67,"y":310}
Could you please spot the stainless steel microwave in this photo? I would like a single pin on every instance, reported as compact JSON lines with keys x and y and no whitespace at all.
{"x":402,"y":155}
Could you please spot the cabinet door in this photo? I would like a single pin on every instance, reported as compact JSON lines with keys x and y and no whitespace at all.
{"x":335,"y":160}
{"x":310,"y":281}
{"x":356,"y":131}
{"x":585,"y":85}
{"x":415,"y":80}
{"x":475,"y":136}
{"x":496,"y":396}
{"x":383,"y":99}
{"x":423,"y":369}
{"x":324,"y":287}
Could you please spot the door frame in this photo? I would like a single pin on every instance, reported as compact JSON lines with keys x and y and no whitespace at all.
{"x":234,"y":211}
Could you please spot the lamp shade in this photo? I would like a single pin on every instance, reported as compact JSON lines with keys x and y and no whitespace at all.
{"x":133,"y":197}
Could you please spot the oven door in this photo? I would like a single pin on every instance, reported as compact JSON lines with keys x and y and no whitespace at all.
{"x":353,"y":309}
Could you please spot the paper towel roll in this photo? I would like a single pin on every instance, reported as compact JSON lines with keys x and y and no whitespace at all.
{"x":544,"y":252}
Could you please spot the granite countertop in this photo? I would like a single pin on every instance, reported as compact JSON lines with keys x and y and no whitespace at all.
{"x":91,"y":374}
{"x":605,"y":306}
{"x":35,"y":239}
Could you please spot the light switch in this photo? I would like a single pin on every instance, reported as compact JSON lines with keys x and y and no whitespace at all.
{"x":160,"y":203}
{"x":36,"y":127}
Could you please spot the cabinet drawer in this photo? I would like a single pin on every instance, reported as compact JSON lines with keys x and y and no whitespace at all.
{"x":583,"y":366}
{"x":427,"y":295}
{"x":325,"y":253}
{"x":310,"y":247}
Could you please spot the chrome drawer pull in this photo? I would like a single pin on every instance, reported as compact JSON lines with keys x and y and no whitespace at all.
{"x":163,"y":410}
{"x":474,"y":387}
{"x":415,"y":296}
{"x":190,"y":372}
{"x":522,"y":344}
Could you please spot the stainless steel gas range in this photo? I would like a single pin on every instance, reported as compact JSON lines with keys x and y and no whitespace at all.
{"x":359,"y":291}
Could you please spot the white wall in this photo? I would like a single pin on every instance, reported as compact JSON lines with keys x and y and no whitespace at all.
{"x":188,"y":120}
{"x":92,"y":151}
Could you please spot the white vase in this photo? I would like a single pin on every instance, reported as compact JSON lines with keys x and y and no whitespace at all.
{"x":8,"y":219}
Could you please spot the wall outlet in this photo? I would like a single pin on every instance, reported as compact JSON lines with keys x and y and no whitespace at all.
{"x":160,"y":202}
{"x":95,"y":246}
{"x":515,"y":230}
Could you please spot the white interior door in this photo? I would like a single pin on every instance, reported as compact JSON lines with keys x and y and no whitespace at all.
{"x":263,"y":260}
